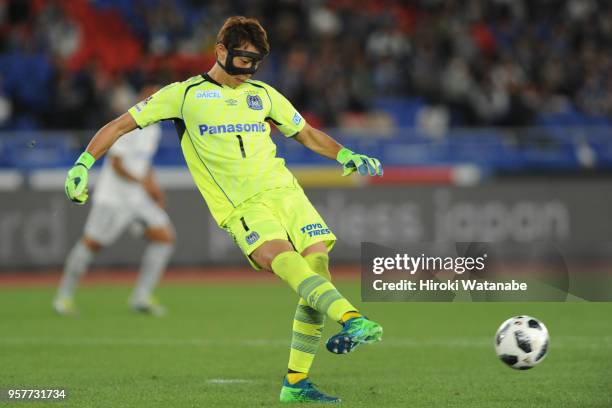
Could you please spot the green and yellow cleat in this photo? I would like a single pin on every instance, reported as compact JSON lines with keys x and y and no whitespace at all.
{"x":355,"y":331}
{"x":304,"y":391}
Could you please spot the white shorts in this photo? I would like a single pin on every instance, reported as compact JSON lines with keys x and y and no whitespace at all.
{"x":107,"y":221}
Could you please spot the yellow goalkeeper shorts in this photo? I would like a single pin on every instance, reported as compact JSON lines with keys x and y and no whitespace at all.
{"x":284,"y":213}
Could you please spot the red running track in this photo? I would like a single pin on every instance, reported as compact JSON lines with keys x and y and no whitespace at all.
{"x":180,"y":275}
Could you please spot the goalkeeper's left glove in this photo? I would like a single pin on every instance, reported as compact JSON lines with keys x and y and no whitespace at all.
{"x":363,"y":164}
{"x":76,"y":180}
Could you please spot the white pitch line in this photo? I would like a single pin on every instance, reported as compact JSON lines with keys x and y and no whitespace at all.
{"x":127,"y":341}
{"x":475,"y":342}
{"x":229,"y":381}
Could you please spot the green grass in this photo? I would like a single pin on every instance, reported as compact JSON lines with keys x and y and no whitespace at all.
{"x":432,"y":355}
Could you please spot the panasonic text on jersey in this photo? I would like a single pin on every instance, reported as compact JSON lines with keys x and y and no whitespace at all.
{"x":233,"y":128}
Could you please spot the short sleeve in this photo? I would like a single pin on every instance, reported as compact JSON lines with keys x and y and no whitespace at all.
{"x":284,"y":115}
{"x":163,"y":104}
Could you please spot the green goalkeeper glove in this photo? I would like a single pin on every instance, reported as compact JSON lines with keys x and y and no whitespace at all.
{"x":76,"y":180}
{"x":352,"y":162}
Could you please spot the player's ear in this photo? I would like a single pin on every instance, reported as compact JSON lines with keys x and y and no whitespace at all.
{"x":221,"y":52}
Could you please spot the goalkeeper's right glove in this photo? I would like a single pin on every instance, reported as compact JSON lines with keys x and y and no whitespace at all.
{"x":76,"y":180}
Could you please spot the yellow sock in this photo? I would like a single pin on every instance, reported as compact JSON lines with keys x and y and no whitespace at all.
{"x":294,"y":378}
{"x":350,"y":315}
{"x":308,"y":322}
{"x":317,"y":291}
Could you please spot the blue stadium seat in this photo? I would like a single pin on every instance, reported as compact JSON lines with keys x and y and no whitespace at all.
{"x":29,"y":153}
{"x":403,"y":110}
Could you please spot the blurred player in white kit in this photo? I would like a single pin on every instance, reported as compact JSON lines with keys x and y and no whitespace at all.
{"x":125,"y":195}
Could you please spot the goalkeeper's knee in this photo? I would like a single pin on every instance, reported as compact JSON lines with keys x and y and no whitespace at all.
{"x":319,"y":263}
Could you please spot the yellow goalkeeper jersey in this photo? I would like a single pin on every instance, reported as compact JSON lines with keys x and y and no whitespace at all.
{"x":225,"y":136}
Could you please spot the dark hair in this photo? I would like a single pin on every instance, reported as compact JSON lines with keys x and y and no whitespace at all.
{"x":239,"y":30}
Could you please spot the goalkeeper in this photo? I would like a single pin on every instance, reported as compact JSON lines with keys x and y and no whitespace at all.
{"x":222,"y":122}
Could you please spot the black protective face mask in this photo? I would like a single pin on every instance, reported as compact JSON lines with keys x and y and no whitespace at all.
{"x":231,"y":69}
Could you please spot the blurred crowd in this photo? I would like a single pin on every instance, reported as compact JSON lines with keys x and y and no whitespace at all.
{"x":75,"y":64}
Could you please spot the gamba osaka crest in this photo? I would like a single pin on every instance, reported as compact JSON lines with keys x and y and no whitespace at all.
{"x":252,"y":238}
{"x":254,"y":102}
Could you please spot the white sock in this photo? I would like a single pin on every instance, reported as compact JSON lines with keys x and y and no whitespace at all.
{"x":153,"y":265}
{"x":76,"y":265}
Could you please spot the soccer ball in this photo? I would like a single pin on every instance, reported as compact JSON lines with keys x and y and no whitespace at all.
{"x":521,"y":342}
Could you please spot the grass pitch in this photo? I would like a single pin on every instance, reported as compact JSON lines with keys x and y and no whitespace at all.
{"x":226,"y":345}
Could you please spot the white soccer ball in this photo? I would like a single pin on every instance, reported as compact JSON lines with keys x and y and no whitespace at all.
{"x":522,"y":342}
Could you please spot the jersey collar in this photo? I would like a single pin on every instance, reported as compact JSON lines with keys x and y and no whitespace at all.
{"x":209,"y":79}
